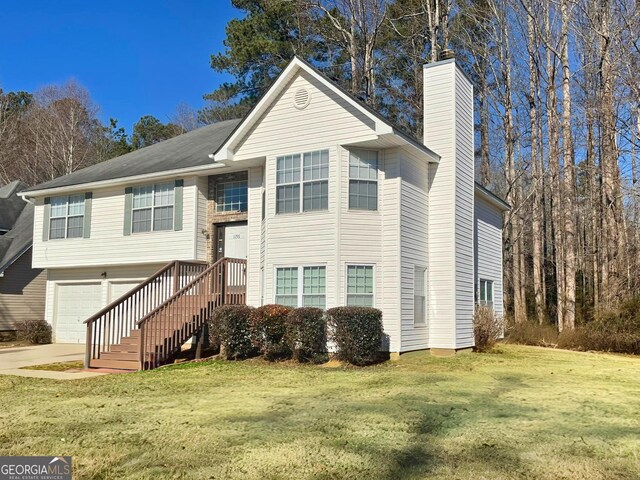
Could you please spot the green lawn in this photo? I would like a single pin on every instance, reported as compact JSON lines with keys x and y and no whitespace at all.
{"x":523,"y":412}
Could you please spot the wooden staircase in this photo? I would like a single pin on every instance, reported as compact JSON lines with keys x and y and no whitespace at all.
{"x":147,"y":327}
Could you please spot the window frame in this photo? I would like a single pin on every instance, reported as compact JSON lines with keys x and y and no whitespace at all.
{"x":364,"y":180}
{"x":220,"y":187}
{"x":153,"y":207}
{"x":346,"y":283}
{"x":300,"y":295}
{"x":419,"y":269}
{"x":66,"y":216}
{"x":486,"y":302}
{"x":301,"y":182}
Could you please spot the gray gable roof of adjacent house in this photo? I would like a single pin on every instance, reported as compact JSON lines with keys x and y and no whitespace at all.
{"x":188,"y":150}
{"x":10,"y":204}
{"x":16,"y":216}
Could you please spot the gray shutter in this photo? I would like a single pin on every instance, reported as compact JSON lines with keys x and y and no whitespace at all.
{"x":177,"y":206}
{"x":128,"y":204}
{"x":45,"y":220}
{"x":87,"y":215}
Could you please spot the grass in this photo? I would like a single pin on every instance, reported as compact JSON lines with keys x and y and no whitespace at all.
{"x":521,"y":413}
{"x":57,"y":367}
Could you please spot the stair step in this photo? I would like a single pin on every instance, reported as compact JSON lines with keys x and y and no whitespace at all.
{"x":125,"y":347}
{"x":117,"y":364}
{"x":133,"y":356}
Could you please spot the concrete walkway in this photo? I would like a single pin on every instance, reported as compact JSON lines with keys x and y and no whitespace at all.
{"x":11,"y":359}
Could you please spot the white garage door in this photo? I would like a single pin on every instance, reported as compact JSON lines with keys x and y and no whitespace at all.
{"x":117,"y":289}
{"x":74,"y":304}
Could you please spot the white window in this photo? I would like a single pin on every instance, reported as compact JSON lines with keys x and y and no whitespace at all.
{"x":302,"y":191}
{"x":363,"y":180}
{"x":67,"y":217}
{"x":419,"y":296}
{"x":152,"y":208}
{"x":486,"y":292}
{"x":360,"y":285}
{"x":301,"y":286}
{"x":231,"y":197}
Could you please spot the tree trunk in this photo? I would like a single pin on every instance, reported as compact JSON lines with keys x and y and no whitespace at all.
{"x":568,"y":198}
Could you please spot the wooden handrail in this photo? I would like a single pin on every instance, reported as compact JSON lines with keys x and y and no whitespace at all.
{"x":115,"y":321}
{"x":139,"y":287}
{"x":181,"y":291}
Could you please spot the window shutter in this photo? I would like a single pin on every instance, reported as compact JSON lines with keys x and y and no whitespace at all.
{"x":177,"y":207}
{"x":87,"y":215}
{"x":45,"y":220}
{"x":128,"y":204}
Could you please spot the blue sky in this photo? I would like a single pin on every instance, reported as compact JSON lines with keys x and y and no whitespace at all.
{"x":136,"y":57}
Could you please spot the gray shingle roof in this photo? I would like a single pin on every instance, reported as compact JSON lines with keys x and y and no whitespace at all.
{"x":18,"y":240}
{"x":190,"y":149}
{"x":16,"y":216}
{"x":10,"y":204}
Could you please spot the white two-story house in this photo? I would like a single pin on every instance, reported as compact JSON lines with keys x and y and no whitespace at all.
{"x":328,"y":202}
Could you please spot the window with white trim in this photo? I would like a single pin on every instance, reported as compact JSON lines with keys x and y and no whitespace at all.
{"x":360,"y":285}
{"x":301,"y":286}
{"x":231,"y":196}
{"x":67,"y":217}
{"x":152,"y":208}
{"x":363,"y":180}
{"x":419,"y":296}
{"x":302,"y":182}
{"x":486,"y":293}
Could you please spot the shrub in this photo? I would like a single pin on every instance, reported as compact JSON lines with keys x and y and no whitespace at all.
{"x":33,"y":331}
{"x":357,"y":333}
{"x":615,"y":331}
{"x":306,"y":334}
{"x":529,"y":333}
{"x":268,"y":327}
{"x":230,"y":328}
{"x":486,"y":328}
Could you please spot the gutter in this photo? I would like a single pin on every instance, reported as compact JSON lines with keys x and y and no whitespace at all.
{"x":120,"y":181}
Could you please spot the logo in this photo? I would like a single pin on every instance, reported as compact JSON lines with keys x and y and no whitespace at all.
{"x":35,"y":468}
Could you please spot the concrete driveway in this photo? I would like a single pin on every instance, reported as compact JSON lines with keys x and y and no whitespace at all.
{"x":12,"y":359}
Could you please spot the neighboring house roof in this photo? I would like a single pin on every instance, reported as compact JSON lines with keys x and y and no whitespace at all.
{"x":16,"y":216}
{"x":492,"y":197}
{"x":382,"y":125}
{"x":10,"y":204}
{"x":18,"y":240}
{"x":188,"y":150}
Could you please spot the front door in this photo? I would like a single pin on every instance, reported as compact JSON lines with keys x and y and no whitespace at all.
{"x":232,"y":240}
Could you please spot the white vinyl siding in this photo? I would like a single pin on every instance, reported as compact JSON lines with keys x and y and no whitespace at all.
{"x":360,"y":291}
{"x":448,"y":130}
{"x":67,"y":217}
{"x":488,"y":251}
{"x":301,"y":286}
{"x":109,"y":246}
{"x":414,"y":234}
{"x":302,"y":175}
{"x":152,"y":208}
{"x":363,"y":180}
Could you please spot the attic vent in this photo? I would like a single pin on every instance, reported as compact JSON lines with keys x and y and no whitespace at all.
{"x":301,"y":98}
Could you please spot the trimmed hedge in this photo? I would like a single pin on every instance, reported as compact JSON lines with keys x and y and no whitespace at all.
{"x":230,"y":327}
{"x":357,"y":333}
{"x":33,"y":331}
{"x":268,"y":325}
{"x":306,"y":334}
